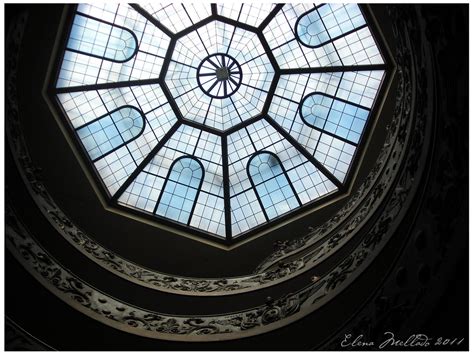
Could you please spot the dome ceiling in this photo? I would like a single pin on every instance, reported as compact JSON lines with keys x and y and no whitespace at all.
{"x":219,"y":120}
{"x":125,"y":285}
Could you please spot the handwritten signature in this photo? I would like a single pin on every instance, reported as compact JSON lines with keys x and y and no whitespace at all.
{"x":390,"y":340}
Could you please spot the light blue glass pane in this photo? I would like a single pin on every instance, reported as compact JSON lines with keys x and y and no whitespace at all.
{"x":174,"y":175}
{"x":274,"y":190}
{"x":331,"y":23}
{"x":293,"y":202}
{"x":93,"y":37}
{"x":166,"y":198}
{"x":315,"y":109}
{"x":346,"y":27}
{"x":342,"y":118}
{"x":100,"y":137}
{"x":180,"y":190}
{"x":288,"y":192}
{"x":95,"y":152}
{"x":334,"y":116}
{"x":319,"y":26}
{"x":358,"y":21}
{"x":320,"y":111}
{"x":330,"y":127}
{"x":195,"y":180}
{"x":177,"y":202}
{"x":113,"y":142}
{"x":341,"y":15}
{"x":111,"y":131}
{"x":121,"y":45}
{"x":172,"y":213}
{"x":362,"y":114}
{"x":346,"y":120}
{"x":161,"y":210}
{"x":271,"y":212}
{"x":319,"y":123}
{"x":338,"y":105}
{"x":263,"y":192}
{"x":350,"y":110}
{"x":342,"y":132}
{"x":353,"y":137}
{"x":352,"y":9}
{"x":188,"y":204}
{"x":183,"y":217}
{"x":281,"y":180}
{"x":186,"y":176}
{"x":310,"y":29}
{"x":266,"y":200}
{"x":358,"y":125}
{"x":277,"y":196}
{"x":282,"y":207}
{"x":272,"y":186}
{"x":129,"y":122}
{"x":287,"y":195}
{"x":90,"y":145}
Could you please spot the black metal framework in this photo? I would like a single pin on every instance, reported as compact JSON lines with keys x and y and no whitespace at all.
{"x":325,"y":118}
{"x":218,"y":76}
{"x":271,"y":184}
{"x":113,"y":27}
{"x":324,"y":31}
{"x":185,"y":186}
{"x":116,"y":127}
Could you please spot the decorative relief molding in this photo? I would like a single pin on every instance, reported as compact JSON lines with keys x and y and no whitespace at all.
{"x":439,"y":231}
{"x":325,"y":239}
{"x":368,"y":198}
{"x":266,"y":317}
{"x":317,"y":245}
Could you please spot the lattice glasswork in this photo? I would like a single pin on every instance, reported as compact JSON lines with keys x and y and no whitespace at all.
{"x":178,"y":197}
{"x":271,"y":184}
{"x":219,"y":120}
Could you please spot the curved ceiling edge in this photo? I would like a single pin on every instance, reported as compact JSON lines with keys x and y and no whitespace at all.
{"x":18,"y":339}
{"x":269,"y":316}
{"x":122,"y":205}
{"x":288,"y":248}
{"x":196,"y":286}
{"x":266,"y":317}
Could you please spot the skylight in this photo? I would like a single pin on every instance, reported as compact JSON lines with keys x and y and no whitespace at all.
{"x":219,"y":119}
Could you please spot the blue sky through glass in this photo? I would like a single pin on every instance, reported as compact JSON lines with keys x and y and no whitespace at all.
{"x":156,"y":138}
{"x":181,"y":190}
{"x":272,"y":185}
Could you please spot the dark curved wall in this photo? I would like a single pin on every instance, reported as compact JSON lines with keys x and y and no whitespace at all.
{"x":424,"y":278}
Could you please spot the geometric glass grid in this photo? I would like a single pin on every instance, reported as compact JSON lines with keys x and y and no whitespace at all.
{"x":181,"y":190}
{"x":219,"y":75}
{"x":272,"y":185}
{"x":219,"y":119}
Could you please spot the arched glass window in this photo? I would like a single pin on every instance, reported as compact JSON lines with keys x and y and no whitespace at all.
{"x":327,"y":23}
{"x":179,"y":195}
{"x":111,"y":131}
{"x":271,"y":184}
{"x":100,"y":39}
{"x":334,"y":116}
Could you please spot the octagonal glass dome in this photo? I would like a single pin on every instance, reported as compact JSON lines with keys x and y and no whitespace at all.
{"x":221,"y":119}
